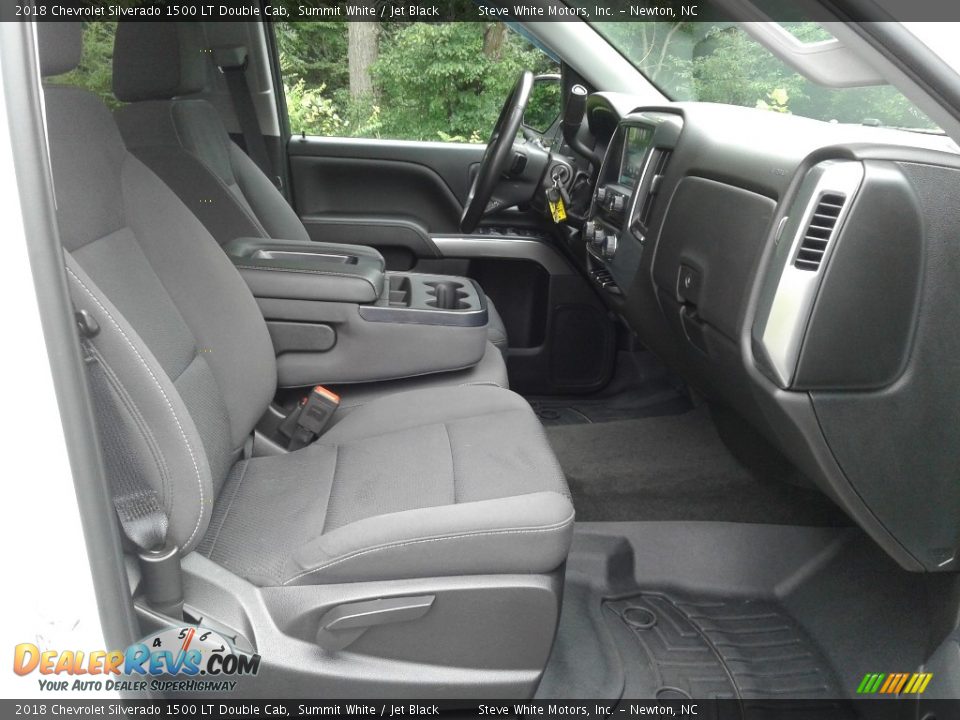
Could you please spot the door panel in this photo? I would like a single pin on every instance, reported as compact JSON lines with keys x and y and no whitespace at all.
{"x":430,"y":179}
{"x":391,"y":195}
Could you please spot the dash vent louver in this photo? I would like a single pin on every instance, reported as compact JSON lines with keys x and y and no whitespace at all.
{"x":819,"y":230}
{"x":659,"y":169}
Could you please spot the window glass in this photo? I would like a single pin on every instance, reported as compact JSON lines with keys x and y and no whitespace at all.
{"x":721,"y":63}
{"x":404,"y":81}
{"x":95,"y":71}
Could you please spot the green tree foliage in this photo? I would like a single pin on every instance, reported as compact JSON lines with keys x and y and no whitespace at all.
{"x":95,"y":71}
{"x":447,"y":81}
{"x":434,"y":81}
{"x":314,"y":52}
{"x":543,"y":107}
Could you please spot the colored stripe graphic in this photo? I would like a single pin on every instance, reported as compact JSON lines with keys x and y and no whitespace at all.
{"x":918,"y":683}
{"x":894,"y":683}
{"x":870,"y":683}
{"x":913,"y":684}
{"x":891,"y":681}
{"x":903,"y":680}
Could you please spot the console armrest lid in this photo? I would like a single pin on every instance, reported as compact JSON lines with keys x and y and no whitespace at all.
{"x":304,"y":270}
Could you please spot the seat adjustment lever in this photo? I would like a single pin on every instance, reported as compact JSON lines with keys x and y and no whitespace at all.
{"x":342,"y":625}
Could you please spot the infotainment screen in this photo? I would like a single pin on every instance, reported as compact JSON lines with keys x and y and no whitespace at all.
{"x":634,"y":152}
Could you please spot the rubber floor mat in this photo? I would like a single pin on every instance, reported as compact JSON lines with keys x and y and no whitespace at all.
{"x":678,"y":646}
{"x":558,"y":415}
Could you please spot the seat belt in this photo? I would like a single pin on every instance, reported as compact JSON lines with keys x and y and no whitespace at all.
{"x":310,"y":418}
{"x":138,"y":506}
{"x":232,"y":62}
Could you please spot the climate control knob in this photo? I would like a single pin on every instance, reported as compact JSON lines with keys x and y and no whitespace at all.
{"x":610,"y":247}
{"x":618,"y":203}
{"x":588,"y":229}
{"x":599,"y":236}
{"x":601,"y":195}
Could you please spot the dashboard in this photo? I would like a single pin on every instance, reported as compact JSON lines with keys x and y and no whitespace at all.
{"x":629,"y":181}
{"x":804,"y":275}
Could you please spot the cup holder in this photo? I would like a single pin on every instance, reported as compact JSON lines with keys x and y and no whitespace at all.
{"x":399,"y":291}
{"x":447,"y":295}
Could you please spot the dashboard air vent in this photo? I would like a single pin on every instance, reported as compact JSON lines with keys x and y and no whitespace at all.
{"x":659,"y":165}
{"x":821,"y":227}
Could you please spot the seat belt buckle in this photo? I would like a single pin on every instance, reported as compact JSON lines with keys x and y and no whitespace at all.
{"x":318,"y":409}
{"x":313,"y":415}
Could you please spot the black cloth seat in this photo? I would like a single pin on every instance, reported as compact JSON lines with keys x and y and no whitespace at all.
{"x":434,"y":482}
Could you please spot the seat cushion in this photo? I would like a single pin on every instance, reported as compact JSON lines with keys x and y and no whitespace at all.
{"x":433,"y":482}
{"x":491,"y":370}
{"x":496,"y":330}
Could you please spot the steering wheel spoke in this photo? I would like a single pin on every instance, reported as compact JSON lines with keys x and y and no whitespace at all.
{"x":497,"y":158}
{"x":495,"y":204}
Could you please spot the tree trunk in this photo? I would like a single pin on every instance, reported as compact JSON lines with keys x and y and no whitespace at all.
{"x":362,"y":47}
{"x":493,"y":37}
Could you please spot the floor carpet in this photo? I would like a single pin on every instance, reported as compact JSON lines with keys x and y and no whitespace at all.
{"x":641,"y":387}
{"x":675,"y":467}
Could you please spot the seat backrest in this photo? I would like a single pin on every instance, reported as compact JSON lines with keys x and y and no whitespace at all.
{"x":182,"y":342}
{"x":183,"y":139}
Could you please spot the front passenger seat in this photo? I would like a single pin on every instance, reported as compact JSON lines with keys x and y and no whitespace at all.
{"x":452,"y":494}
{"x":183,"y":140}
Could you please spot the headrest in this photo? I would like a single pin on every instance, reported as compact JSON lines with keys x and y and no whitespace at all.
{"x":157,"y":61}
{"x":59,"y":46}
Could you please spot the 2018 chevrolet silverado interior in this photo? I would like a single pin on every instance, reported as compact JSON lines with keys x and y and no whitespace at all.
{"x":733,"y":364}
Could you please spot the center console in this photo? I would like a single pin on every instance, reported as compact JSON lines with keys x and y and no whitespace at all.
{"x":621,"y":212}
{"x":337,"y":316}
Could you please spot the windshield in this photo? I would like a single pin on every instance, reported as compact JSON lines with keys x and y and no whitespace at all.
{"x":721,"y":63}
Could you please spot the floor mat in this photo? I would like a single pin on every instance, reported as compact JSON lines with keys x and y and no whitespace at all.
{"x":675,"y":468}
{"x":679,"y":646}
{"x":761,"y":614}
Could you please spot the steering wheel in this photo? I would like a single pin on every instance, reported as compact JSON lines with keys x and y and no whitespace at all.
{"x":499,"y":153}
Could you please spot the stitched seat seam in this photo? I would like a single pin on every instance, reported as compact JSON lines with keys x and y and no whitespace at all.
{"x":453,"y":463}
{"x":139,"y":422}
{"x":431,"y":424}
{"x":163,"y":394}
{"x":226,"y":513}
{"x":333,"y":482}
{"x":460,"y":536}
